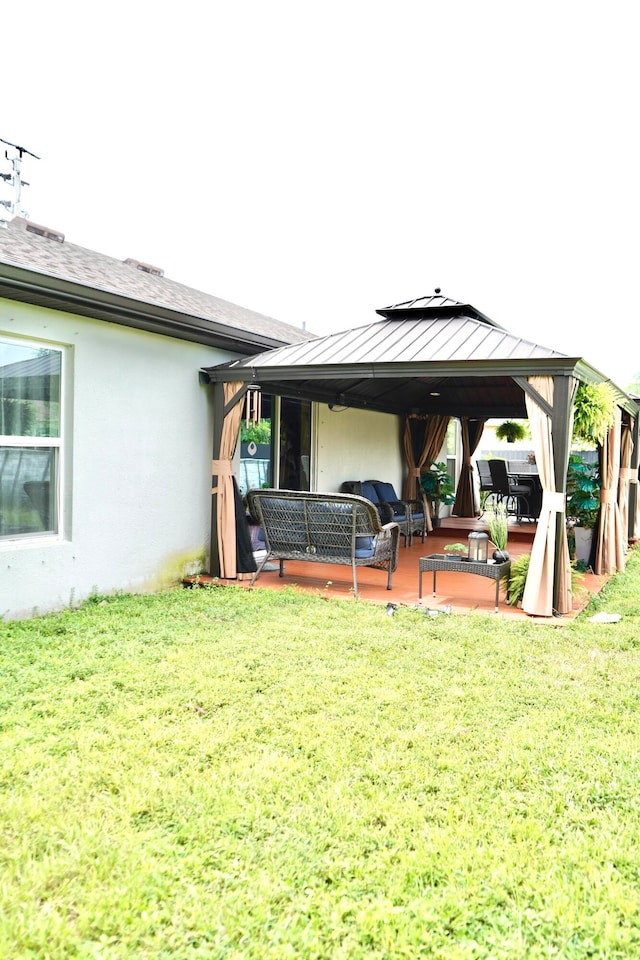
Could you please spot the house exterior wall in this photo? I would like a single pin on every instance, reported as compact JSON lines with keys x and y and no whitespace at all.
{"x":357,"y":445}
{"x":137,"y":458}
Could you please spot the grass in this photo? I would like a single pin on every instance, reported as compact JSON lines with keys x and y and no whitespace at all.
{"x":221,"y":773}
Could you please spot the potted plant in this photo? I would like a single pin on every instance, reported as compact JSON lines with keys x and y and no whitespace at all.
{"x":458,"y":550}
{"x":438,"y":488}
{"x":511,"y":431}
{"x":497,"y":521}
{"x":583,"y":503}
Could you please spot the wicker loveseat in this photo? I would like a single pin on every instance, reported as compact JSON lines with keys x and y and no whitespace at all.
{"x":324,"y":528}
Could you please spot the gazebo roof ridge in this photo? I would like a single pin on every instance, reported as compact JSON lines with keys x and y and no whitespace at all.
{"x":435,"y":305}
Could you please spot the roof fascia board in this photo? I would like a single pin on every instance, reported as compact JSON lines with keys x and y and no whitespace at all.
{"x":56,"y":293}
{"x":243,"y":370}
{"x":588,"y":374}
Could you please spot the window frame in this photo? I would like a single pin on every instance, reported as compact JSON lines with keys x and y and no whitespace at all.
{"x":57,"y":443}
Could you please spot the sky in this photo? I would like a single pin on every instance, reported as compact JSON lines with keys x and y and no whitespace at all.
{"x":317,"y":161}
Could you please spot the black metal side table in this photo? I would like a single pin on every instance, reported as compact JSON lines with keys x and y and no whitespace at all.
{"x":439,"y":561}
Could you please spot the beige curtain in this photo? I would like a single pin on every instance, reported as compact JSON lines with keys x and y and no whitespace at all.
{"x":538,"y":592}
{"x":634,"y":491}
{"x":427,"y":435}
{"x":626,"y":473}
{"x":611,"y":543}
{"x":222,"y":470}
{"x":465,"y":505}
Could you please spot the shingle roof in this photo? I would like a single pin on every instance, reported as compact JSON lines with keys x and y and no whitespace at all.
{"x":49,"y":257}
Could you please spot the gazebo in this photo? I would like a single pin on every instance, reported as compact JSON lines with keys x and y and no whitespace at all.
{"x":427,"y":361}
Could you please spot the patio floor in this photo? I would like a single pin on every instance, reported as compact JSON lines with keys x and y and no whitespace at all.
{"x":463,"y":593}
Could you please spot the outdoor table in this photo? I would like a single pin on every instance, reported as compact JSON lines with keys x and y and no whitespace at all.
{"x":531,"y":479}
{"x":440,"y":561}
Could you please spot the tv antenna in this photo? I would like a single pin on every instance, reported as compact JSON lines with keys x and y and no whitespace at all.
{"x":14,"y":179}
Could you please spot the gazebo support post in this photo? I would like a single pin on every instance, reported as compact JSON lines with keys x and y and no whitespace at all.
{"x":221,"y":411}
{"x":560,"y":423}
{"x":633,"y":485}
{"x":218,"y":422}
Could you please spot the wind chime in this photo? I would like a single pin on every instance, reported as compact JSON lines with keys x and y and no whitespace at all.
{"x":253,"y":407}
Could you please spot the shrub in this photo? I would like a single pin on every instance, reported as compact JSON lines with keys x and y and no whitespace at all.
{"x":519,"y":571}
{"x":256,"y":432}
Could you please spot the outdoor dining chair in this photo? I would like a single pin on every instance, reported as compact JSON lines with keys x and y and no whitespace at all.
{"x":484,"y":476}
{"x":515,"y":496}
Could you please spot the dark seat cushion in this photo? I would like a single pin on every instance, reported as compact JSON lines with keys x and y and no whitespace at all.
{"x":369,"y":492}
{"x":386,"y":492}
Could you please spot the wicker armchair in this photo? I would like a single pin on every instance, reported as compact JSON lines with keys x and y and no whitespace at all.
{"x":408,"y":514}
{"x":415,"y":515}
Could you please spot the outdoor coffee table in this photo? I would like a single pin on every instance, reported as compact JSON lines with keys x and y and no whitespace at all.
{"x":439,"y":561}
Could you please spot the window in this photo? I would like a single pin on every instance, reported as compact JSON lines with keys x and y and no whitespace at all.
{"x":30,"y":438}
{"x":295,"y":444}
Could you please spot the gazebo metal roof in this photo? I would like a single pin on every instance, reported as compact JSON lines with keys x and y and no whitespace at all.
{"x":431,"y":355}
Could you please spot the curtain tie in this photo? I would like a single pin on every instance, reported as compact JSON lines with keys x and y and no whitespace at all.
{"x":221,"y":468}
{"x":606,"y":496}
{"x":552,"y":501}
{"x":627,"y":473}
{"x":414,"y":473}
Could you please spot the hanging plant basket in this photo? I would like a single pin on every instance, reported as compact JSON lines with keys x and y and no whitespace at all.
{"x":511,"y":431}
{"x":594,"y":409}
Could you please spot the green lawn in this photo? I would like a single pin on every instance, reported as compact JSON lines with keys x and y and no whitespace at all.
{"x":221,"y":773}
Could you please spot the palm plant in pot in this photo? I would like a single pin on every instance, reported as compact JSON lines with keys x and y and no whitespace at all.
{"x":498,"y":523}
{"x":438,"y":489}
{"x":583,"y":503}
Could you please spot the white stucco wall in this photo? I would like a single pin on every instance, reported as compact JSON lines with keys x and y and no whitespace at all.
{"x":357,"y":445}
{"x":139,"y":451}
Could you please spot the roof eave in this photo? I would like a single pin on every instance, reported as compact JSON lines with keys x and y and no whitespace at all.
{"x":56,"y":293}
{"x":245,"y":371}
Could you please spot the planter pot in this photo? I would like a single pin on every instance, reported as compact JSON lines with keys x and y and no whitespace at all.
{"x":500,"y":555}
{"x":584,"y":542}
{"x":255,"y":451}
{"x":436,"y":521}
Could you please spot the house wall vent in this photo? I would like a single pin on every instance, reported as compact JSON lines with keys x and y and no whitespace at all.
{"x":39,"y":229}
{"x":145,"y":267}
